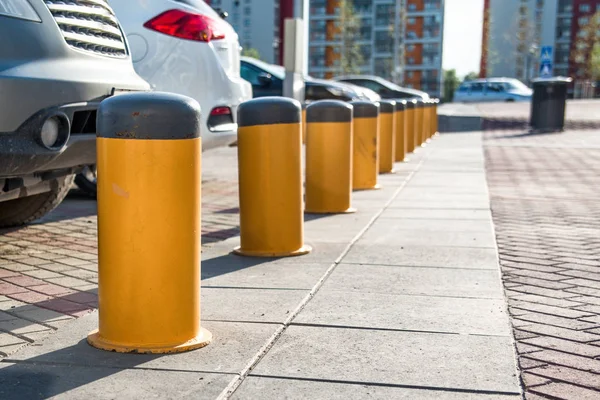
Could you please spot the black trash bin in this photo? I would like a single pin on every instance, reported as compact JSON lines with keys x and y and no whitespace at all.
{"x":548,"y":104}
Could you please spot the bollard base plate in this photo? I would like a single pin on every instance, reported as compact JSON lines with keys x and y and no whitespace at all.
{"x":97,"y":341}
{"x":376,"y":187}
{"x":348,"y":211}
{"x":392,"y":171}
{"x":249,"y":253}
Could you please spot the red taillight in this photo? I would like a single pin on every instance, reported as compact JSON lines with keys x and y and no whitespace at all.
{"x":186,"y":25}
{"x":221,"y":111}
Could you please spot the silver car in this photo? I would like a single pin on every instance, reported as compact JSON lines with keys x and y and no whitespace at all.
{"x":58,"y":60}
{"x":492,"y":89}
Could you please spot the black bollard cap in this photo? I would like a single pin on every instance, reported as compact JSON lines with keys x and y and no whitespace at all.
{"x":387,"y":106}
{"x":269,"y":111}
{"x":401,"y":105}
{"x":148,"y":116}
{"x":329,"y":111}
{"x":365,"y":109}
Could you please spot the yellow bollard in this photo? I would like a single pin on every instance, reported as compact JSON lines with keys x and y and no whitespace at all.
{"x":387,"y":136}
{"x":426,"y":121}
{"x":409,"y":125}
{"x":329,"y":157}
{"x":401,"y":145}
{"x":149,"y":164}
{"x":419,"y":123}
{"x":304,"y":122}
{"x":365,"y":161}
{"x":270,"y":178}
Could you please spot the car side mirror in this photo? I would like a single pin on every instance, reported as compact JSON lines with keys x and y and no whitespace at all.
{"x":265,"y":79}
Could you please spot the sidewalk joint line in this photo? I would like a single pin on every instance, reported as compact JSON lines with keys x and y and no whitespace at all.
{"x":254,"y":288}
{"x":262,"y":352}
{"x":392,"y":385}
{"x":418,"y":266}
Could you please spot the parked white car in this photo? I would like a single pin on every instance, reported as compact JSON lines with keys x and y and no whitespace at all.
{"x":185,"y":47}
{"x":492,"y":89}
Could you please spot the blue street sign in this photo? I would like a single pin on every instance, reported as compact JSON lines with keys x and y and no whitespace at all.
{"x":546,"y":54}
{"x":545,"y":69}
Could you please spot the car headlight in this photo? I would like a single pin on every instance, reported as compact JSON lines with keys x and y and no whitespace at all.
{"x":18,"y":9}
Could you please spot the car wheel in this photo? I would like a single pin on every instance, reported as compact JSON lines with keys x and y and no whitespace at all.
{"x":87,"y":180}
{"x":26,"y":209}
{"x":510,"y":100}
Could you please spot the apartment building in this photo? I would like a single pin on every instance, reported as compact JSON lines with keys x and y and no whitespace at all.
{"x":516,"y":30}
{"x":258,"y":24}
{"x":399,"y":40}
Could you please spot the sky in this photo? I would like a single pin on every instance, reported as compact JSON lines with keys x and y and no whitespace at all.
{"x":462,"y":35}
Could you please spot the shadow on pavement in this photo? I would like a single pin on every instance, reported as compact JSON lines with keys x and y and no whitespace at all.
{"x":54,"y":373}
{"x":228,"y":263}
{"x":526,"y":134}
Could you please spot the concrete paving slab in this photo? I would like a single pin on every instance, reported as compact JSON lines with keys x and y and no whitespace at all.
{"x":416,"y":281}
{"x":277,"y":388}
{"x":224,"y":272}
{"x":385,"y":231}
{"x":31,"y":381}
{"x":234,"y":344}
{"x":438,"y":214}
{"x":257,"y":305}
{"x":423,"y":256}
{"x":394,"y":358}
{"x":419,"y":193}
{"x":440,"y":204}
{"x":446,"y":225}
{"x":323,"y":252}
{"x":400,"y":312}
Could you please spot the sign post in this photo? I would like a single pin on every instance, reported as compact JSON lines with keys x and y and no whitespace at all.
{"x":546,"y":62}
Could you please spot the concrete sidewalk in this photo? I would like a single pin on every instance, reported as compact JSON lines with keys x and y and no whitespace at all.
{"x":401,"y":300}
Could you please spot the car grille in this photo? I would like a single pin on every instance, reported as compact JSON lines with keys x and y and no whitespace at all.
{"x":89,"y":25}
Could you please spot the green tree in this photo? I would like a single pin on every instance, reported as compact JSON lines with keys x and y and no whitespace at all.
{"x":587,"y":49}
{"x":451,"y":82}
{"x":471,"y":76}
{"x":251,"y":52}
{"x":349,"y":31}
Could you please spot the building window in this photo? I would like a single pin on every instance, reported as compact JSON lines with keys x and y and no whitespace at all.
{"x":584,"y":8}
{"x":410,"y":60}
{"x":410,"y":74}
{"x":412,"y":21}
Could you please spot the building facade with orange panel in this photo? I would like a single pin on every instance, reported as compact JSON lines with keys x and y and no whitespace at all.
{"x":399,"y":40}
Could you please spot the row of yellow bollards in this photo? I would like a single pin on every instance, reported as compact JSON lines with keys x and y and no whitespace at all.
{"x":149,"y":197}
{"x":347,"y":146}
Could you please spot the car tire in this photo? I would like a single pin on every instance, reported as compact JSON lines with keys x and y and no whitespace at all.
{"x":510,"y":100}
{"x":87,"y":181}
{"x":27,"y":209}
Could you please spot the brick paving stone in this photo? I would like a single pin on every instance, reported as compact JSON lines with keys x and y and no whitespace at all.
{"x":21,"y":327}
{"x":546,"y":212}
{"x":51,"y":289}
{"x":556,"y":321}
{"x":67,"y":281}
{"x":42,"y":274}
{"x":564,"y":333}
{"x":23,"y":280}
{"x":30,"y":297}
{"x":12,"y":266}
{"x":567,"y":346}
{"x":551,"y":310}
{"x":540,"y":282}
{"x":528,"y":363}
{"x":566,"y":391}
{"x":8,"y":288}
{"x":7,"y":339}
{"x":569,"y":375}
{"x":558,"y":294}
{"x":534,"y":380}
